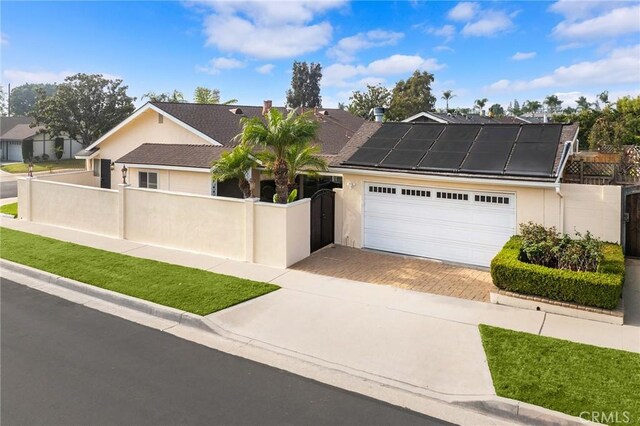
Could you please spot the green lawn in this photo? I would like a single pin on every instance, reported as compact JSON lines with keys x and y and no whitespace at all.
{"x":44,"y":166}
{"x":189,"y":289}
{"x":11,"y":209}
{"x":564,"y":376}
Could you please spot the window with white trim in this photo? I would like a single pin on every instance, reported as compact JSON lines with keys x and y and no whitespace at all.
{"x":382,"y":189}
{"x":492,"y":199}
{"x":148,"y":180}
{"x":452,"y":196}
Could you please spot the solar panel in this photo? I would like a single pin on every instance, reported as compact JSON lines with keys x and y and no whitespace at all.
{"x":536,"y":159}
{"x":425,"y":131}
{"x":456,"y":145}
{"x":403,"y":159}
{"x":392,"y":130}
{"x":442,"y":161}
{"x":498,"y":133}
{"x":368,"y":156}
{"x":416,"y":144}
{"x":459,"y":133}
{"x":488,"y":156}
{"x":376,"y":142}
{"x":536,"y":133}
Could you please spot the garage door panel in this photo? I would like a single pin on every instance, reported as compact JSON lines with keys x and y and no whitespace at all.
{"x":458,"y":226}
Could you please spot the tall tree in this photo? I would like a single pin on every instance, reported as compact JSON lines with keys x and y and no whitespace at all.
{"x":496,"y":110}
{"x":279,"y":134}
{"x":531,"y":107}
{"x":305,"y":85}
{"x":362,"y":102}
{"x":24,"y":97}
{"x":85,"y":107}
{"x":553,"y":103}
{"x":447,"y":95}
{"x":204,"y":95}
{"x":515,"y":109}
{"x":583,"y":103}
{"x":235,"y":164}
{"x":3,"y":104}
{"x":300,"y":158}
{"x":480,"y":103}
{"x":604,"y":97}
{"x":175,"y":96}
{"x":411,"y":97}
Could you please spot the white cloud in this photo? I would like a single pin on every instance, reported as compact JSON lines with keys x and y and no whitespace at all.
{"x":446,"y":31}
{"x":268,"y":30}
{"x":574,"y":10}
{"x":18,"y":77}
{"x":443,"y":48}
{"x":216,"y":65}
{"x":613,"y":23}
{"x":341,"y":75}
{"x":4,"y":39}
{"x":621,"y":66}
{"x":464,"y":11}
{"x":491,"y":23}
{"x":265,"y":69}
{"x":346,"y":48}
{"x":521,"y":56}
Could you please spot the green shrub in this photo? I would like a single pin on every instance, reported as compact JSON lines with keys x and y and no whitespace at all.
{"x":580,"y":254}
{"x":45,"y":157}
{"x":539,"y":244}
{"x":59,"y":147}
{"x":601,"y":289}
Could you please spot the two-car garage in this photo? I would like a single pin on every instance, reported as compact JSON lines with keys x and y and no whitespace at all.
{"x":441,"y":223}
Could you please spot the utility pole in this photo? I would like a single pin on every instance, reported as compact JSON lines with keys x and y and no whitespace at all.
{"x":9,"y":101}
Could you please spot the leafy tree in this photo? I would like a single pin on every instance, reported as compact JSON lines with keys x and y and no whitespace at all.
{"x":447,"y":95}
{"x":583,"y":103}
{"x":496,"y":110}
{"x":24,"y":97}
{"x":85,"y":106}
{"x":175,"y":96}
{"x":235,"y":164}
{"x":480,"y":103}
{"x":531,"y":107}
{"x":412,"y":96}
{"x":305,"y":85}
{"x":628,"y":123}
{"x":602,"y":132}
{"x":3,"y":105}
{"x":569,"y":111}
{"x":553,"y":103}
{"x":362,"y":103}
{"x":300,"y":158}
{"x":515,"y":109}
{"x":278,"y":135}
{"x":204,"y":95}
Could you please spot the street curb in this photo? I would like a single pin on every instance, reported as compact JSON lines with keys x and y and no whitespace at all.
{"x":503,"y":408}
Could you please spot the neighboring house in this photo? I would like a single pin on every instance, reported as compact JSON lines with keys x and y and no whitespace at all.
{"x":170,"y":146}
{"x":453,"y":118}
{"x":17,"y":131}
{"x":457,"y":192}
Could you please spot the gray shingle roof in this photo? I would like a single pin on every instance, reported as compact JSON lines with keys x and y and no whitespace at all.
{"x":7,"y":124}
{"x":222,"y":125}
{"x":179,"y":155}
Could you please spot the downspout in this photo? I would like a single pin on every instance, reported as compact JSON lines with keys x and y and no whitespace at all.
{"x":563,"y":162}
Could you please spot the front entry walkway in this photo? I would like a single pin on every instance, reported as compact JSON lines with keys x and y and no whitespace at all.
{"x":400,"y":271}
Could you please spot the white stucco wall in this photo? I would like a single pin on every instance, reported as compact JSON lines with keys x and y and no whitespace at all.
{"x":84,"y":177}
{"x":594,"y":208}
{"x":191,"y":182}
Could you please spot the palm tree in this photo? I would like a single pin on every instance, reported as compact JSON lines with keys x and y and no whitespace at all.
{"x":604,"y":97}
{"x":446,"y":95}
{"x":583,"y":103}
{"x":175,"y":96}
{"x":299,"y":158}
{"x":278,"y":135}
{"x":204,"y":95}
{"x":480,"y":103}
{"x":235,"y":164}
{"x":553,"y":103}
{"x":532,"y":107}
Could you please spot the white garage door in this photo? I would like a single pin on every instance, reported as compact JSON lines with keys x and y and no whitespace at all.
{"x":457,"y":226}
{"x":14,"y":151}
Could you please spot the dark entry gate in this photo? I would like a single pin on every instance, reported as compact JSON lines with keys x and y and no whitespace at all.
{"x":632,"y":219}
{"x":105,"y":174}
{"x":322,"y":218}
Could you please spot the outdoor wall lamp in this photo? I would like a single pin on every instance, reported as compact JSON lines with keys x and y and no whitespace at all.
{"x":30,"y":171}
{"x":113,"y":166}
{"x":124,"y":174}
{"x":351,"y":185}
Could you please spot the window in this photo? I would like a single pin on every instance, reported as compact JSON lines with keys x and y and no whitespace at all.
{"x":382,"y":189}
{"x":491,"y":199}
{"x":147,"y":180}
{"x":96,"y":167}
{"x":452,"y":196}
{"x":416,"y":192}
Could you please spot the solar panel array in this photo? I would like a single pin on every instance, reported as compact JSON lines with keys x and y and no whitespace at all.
{"x":519,"y":150}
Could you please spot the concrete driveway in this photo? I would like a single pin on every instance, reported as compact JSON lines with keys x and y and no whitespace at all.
{"x":407,"y":272}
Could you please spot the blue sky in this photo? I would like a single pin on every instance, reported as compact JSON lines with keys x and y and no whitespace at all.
{"x":498,"y":50}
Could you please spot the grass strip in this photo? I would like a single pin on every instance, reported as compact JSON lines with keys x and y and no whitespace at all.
{"x":572,"y":378}
{"x":44,"y":166}
{"x":189,"y":289}
{"x":11,"y":209}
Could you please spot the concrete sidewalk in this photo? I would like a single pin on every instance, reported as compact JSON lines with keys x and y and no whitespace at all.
{"x":423,"y":340}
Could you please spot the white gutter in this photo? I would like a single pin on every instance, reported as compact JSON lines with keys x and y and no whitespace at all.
{"x":568,"y":146}
{"x":440,"y":178}
{"x":158,"y":167}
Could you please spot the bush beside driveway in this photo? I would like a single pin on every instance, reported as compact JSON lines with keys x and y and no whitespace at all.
{"x":192,"y":290}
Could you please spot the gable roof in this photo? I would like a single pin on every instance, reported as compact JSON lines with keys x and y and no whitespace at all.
{"x":488,"y":150}
{"x":222,"y":122}
{"x":21,"y":132}
{"x":177,"y":155}
{"x":7,"y":124}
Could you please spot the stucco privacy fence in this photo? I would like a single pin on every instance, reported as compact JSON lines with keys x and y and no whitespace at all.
{"x":247,"y":230}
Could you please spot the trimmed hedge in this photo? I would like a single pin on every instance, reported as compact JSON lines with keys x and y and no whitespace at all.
{"x":601,"y":289}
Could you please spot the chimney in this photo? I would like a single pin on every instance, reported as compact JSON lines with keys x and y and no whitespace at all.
{"x":266,"y":106}
{"x":378,"y":113}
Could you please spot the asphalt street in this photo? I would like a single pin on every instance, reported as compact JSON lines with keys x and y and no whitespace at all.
{"x":8,"y":189}
{"x":63,"y":363}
